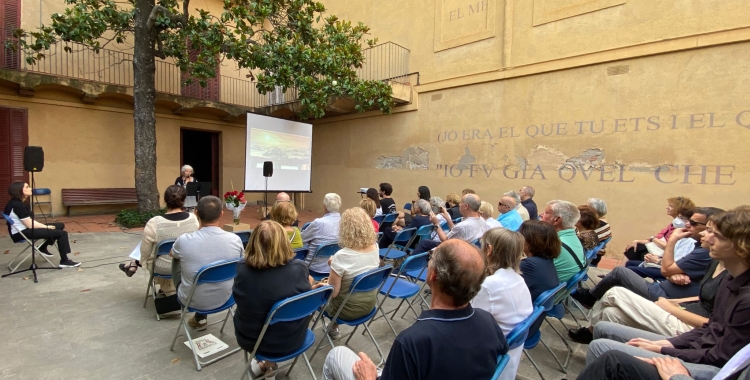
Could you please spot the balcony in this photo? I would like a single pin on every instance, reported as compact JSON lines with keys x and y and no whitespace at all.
{"x":110,"y":73}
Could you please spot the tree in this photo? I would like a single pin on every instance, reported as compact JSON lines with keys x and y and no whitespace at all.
{"x":283,"y":42}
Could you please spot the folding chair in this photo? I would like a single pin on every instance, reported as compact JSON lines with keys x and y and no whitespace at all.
{"x":444,"y":226}
{"x":363,"y":283}
{"x":42,"y":191}
{"x":400,"y":245}
{"x":305,"y":226}
{"x":457,"y":220}
{"x":559,"y":308}
{"x":220,"y":271}
{"x":30,"y":244}
{"x":387,"y":220}
{"x":502,"y":362}
{"x":301,"y":253}
{"x":517,"y":337}
{"x":400,"y":288}
{"x":379,"y":236}
{"x":288,"y":310}
{"x":162,"y":249}
{"x":477,"y":243}
{"x":323,"y":250}
{"x":379,"y":218}
{"x":407,"y":206}
{"x":534,"y":333}
{"x":244,"y":236}
{"x":425,"y":232}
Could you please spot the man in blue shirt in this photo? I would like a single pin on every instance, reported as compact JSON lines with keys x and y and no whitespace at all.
{"x":443,"y":343}
{"x":509,"y":217}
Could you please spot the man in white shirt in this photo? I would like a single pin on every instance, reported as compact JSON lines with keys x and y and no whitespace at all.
{"x":323,"y":230}
{"x":472,"y":226}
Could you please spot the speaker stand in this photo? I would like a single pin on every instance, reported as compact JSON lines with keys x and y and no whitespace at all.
{"x":265,"y":197}
{"x":33,"y":268}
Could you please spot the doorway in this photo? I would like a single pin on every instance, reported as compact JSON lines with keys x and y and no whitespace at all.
{"x":200,"y":149}
{"x":14,"y":137}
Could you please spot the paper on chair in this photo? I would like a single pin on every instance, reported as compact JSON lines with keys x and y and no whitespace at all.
{"x":136,"y":254}
{"x":207,"y":345}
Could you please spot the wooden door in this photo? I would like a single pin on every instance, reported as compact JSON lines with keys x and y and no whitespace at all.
{"x":14,"y":137}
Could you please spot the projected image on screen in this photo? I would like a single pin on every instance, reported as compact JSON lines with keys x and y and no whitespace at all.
{"x":287,"y":144}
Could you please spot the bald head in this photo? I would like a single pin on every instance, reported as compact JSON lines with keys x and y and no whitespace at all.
{"x":457,"y":270}
{"x":283,"y":197}
{"x":506,"y":204}
{"x":472,"y":202}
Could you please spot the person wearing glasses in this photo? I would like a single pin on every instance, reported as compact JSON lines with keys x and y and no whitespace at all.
{"x":509,"y":216}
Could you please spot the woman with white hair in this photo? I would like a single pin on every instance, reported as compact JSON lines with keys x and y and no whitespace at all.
{"x":485,"y":211}
{"x":603,"y":231}
{"x":186,"y":176}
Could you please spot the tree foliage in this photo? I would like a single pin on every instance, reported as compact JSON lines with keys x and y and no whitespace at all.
{"x":287,"y":43}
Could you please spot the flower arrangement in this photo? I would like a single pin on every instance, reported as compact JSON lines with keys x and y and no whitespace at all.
{"x":235,"y":201}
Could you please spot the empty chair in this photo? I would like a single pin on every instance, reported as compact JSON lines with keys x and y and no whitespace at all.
{"x":400,"y":246}
{"x":397,"y":288}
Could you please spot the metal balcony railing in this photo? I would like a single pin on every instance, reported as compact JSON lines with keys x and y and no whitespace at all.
{"x":384,"y":62}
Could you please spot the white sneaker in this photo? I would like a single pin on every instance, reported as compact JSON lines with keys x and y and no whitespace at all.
{"x":257,"y":371}
{"x":334,"y":333}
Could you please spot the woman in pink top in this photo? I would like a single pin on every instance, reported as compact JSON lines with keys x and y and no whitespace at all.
{"x":675,"y":206}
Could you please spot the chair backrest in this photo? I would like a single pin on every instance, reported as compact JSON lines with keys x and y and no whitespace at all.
{"x":164,"y":247}
{"x":390,"y":218}
{"x":457,"y":220}
{"x":425,"y":231}
{"x":407,"y":206}
{"x":8,"y":219}
{"x":371,"y":280}
{"x":244,"y":236}
{"x":219,"y":271}
{"x":444,"y":226}
{"x":477,"y":242}
{"x":379,"y":218}
{"x":41,"y":191}
{"x":299,"y":306}
{"x":301,"y":253}
{"x":378,"y":236}
{"x":570,"y":285}
{"x":545,"y":299}
{"x":415,"y":262}
{"x":517,"y":336}
{"x":404,"y":236}
{"x":305,"y":226}
{"x":326,"y":250}
{"x":502,"y":362}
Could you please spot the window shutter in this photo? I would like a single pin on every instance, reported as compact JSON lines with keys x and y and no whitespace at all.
{"x":11,"y":20}
{"x":195,"y":90}
{"x":14,"y":137}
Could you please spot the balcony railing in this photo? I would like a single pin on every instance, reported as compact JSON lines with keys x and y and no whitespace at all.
{"x":384,"y":62}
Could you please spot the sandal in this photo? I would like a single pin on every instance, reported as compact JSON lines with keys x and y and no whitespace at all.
{"x":126,"y":268}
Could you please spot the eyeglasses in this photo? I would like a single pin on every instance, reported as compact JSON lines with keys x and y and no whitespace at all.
{"x":694,"y":223}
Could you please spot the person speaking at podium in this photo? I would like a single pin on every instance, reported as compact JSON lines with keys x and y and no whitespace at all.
{"x":186,"y":176}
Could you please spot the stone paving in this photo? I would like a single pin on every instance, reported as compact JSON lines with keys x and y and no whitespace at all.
{"x":88,"y":322}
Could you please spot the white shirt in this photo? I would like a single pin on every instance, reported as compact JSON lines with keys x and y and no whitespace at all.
{"x":493,"y":223}
{"x":322,"y":230}
{"x":434,"y":235}
{"x":523,"y":212}
{"x":378,"y":211}
{"x":505,"y":295}
{"x":469,"y":229}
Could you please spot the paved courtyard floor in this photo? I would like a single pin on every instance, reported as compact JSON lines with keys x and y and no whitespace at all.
{"x":89,"y":323}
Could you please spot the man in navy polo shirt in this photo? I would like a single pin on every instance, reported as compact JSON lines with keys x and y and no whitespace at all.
{"x":452,"y":340}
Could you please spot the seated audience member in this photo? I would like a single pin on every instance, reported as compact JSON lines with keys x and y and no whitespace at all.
{"x":285,"y":213}
{"x":527,"y":193}
{"x":675,"y":206}
{"x":373,"y":194}
{"x":704,"y":350}
{"x":485,"y":212}
{"x":587,"y":223}
{"x":160,"y":228}
{"x":368,"y":205}
{"x":603,"y":231}
{"x":509,"y":216}
{"x":563,"y":216}
{"x":542,"y":246}
{"x":387,"y":203}
{"x":668,"y":317}
{"x":467,"y":191}
{"x":504,"y":293}
{"x":404,"y":218}
{"x":19,"y":212}
{"x":359,"y":253}
{"x":519,"y":207}
{"x":694,"y":265}
{"x":268,"y":274}
{"x":280,"y":198}
{"x":437,"y":205}
{"x":650,"y":267}
{"x":442,"y":343}
{"x":421,"y":218}
{"x":193,"y":250}
{"x":618,"y":365}
{"x":470,"y":229}
{"x":452,"y":202}
{"x":323,"y":230}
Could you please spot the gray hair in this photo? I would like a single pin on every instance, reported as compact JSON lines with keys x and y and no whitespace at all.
{"x":567,"y":211}
{"x":436,"y":203}
{"x":486,"y":209}
{"x":514,"y":194}
{"x":460,"y":279}
{"x":473,"y":201}
{"x":186,"y":167}
{"x":332,"y":202}
{"x":424,"y":207}
{"x":529,"y":190}
{"x":599,"y":205}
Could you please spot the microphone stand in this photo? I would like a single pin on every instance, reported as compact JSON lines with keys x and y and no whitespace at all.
{"x":33,"y":268}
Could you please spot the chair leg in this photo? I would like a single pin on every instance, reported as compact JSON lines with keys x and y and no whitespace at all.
{"x":351,"y":335}
{"x":562,"y":367}
{"x":229,"y":312}
{"x":20,"y":262}
{"x":182,"y":320}
{"x":571,"y":314}
{"x":148,"y":289}
{"x":292,"y":366}
{"x":325,"y":334}
{"x":528,"y":356}
{"x":377,"y":346}
{"x":309,"y":367}
{"x":565,"y":341}
{"x":397,"y":308}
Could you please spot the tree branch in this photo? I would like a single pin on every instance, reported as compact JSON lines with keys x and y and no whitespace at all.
{"x":185,"y":12}
{"x":159,"y":49}
{"x":158,"y":9}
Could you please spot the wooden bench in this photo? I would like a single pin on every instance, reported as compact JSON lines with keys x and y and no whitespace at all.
{"x":88,"y":197}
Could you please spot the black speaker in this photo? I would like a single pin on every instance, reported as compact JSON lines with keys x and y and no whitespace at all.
{"x":267,"y":169}
{"x":33,"y":159}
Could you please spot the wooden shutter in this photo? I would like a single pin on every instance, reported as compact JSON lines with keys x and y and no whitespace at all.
{"x":14,"y":137}
{"x":11,"y":20}
{"x":195,"y":90}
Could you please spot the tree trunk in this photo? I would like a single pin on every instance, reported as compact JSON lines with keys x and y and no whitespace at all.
{"x":144,"y":109}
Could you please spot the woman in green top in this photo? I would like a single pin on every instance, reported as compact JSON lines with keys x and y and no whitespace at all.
{"x":285,"y":214}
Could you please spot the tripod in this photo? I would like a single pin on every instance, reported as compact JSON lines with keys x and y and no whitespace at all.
{"x":34,"y":251}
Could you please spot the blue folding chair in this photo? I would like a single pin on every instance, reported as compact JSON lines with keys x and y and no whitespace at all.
{"x":163,"y":248}
{"x":244,"y":236}
{"x":400,"y":245}
{"x":559,"y":308}
{"x":291,"y":309}
{"x":457,"y":220}
{"x":304,"y":226}
{"x":379,"y":236}
{"x":534,"y":333}
{"x":517,"y":337}
{"x":379,"y":218}
{"x":425,"y":232}
{"x":39,"y":243}
{"x":400,"y":288}
{"x":502,"y":362}
{"x":218,"y":272}
{"x":301,"y":253}
{"x":363,"y":283}
{"x":387,"y":220}
{"x":444,"y":226}
{"x":477,"y":243}
{"x":323,"y":250}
